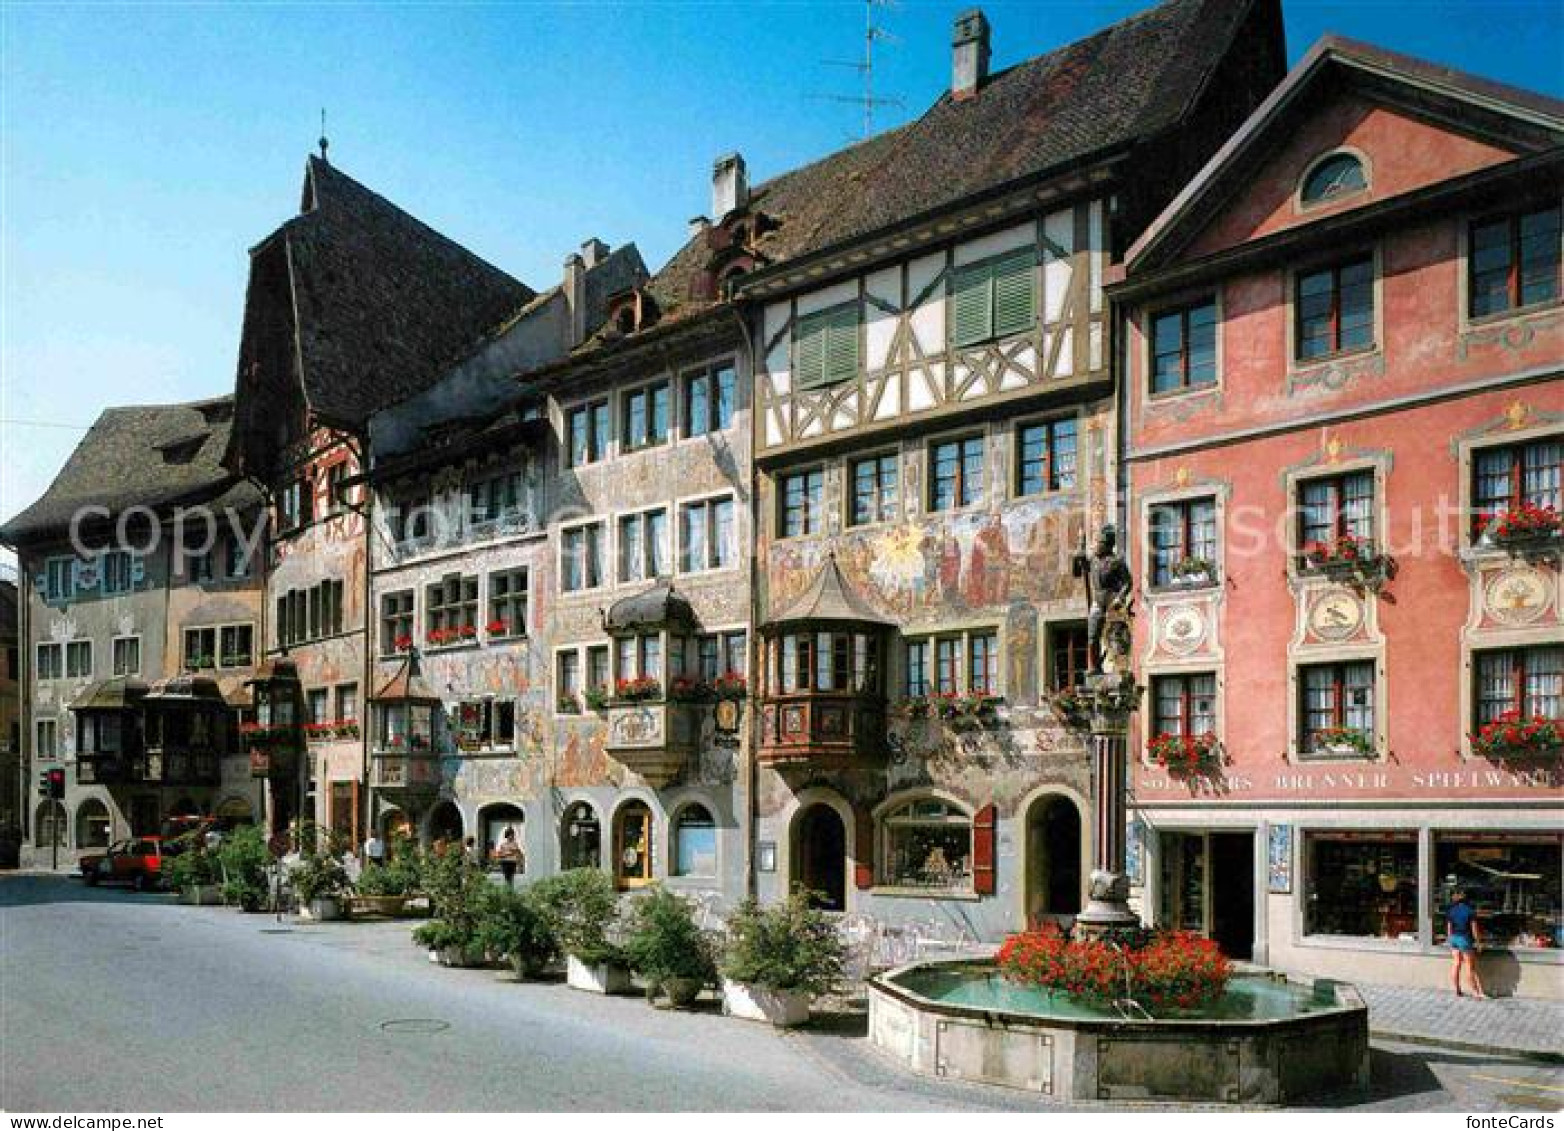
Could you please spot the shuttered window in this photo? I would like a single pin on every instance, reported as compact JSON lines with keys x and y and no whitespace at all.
{"x":825,"y":349}
{"x":994,"y":299}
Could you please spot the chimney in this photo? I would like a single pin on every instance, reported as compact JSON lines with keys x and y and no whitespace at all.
{"x":729,"y":186}
{"x":969,"y":54}
{"x":574,"y":290}
{"x":593,"y":252}
{"x":698,"y":225}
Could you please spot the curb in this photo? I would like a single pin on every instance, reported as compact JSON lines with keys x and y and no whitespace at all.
{"x":1541,"y":1056}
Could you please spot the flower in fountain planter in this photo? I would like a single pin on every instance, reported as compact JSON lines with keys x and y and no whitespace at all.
{"x":1185,"y":753}
{"x":1514,"y":735}
{"x":1162,"y":970}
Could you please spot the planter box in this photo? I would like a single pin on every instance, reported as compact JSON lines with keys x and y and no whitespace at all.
{"x":783,"y":1008}
{"x":459,"y":957}
{"x":326,"y":909}
{"x":389,"y":905}
{"x":607,"y":978}
{"x":682,"y":992}
{"x":202,"y":895}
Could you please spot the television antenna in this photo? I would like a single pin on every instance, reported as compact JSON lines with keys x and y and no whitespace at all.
{"x":873,"y":33}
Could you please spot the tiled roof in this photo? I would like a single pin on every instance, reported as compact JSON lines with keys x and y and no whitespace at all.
{"x":157,"y":456}
{"x":829,"y":598}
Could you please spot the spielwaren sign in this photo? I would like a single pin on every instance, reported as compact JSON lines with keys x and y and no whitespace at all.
{"x":1392,"y":781}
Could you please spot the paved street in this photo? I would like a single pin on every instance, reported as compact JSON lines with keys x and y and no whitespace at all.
{"x":114,"y":1001}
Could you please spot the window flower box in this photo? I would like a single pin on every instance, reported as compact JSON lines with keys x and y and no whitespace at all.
{"x":597,"y":698}
{"x":1527,"y":527}
{"x":403,"y":643}
{"x":955,"y":706}
{"x":567,"y":705}
{"x":1072,"y":707}
{"x":1357,"y":561}
{"x":730,"y":685}
{"x":1515,"y":737}
{"x":687,"y":689}
{"x":1186,"y":753}
{"x":1344,"y":742}
{"x":347,"y":728}
{"x":916,"y":706}
{"x":638,"y":690}
{"x":1192,"y":573}
{"x":498,"y":629}
{"x":320,"y":732}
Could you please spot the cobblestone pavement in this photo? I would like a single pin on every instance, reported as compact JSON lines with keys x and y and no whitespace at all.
{"x":1517,"y":1025}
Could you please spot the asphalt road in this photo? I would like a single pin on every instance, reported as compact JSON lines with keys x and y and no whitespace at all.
{"x":111,"y":1001}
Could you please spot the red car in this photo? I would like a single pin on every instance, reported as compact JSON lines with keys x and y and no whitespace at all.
{"x":137,"y":862}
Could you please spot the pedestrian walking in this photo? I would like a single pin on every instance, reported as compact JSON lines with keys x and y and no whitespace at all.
{"x":1465,"y":942}
{"x":509,"y":855}
{"x":374,"y":849}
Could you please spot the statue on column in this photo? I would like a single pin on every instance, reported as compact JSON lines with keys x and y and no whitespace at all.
{"x":1109,"y":593}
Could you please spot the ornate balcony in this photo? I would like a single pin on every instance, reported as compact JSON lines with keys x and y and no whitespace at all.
{"x":653,"y":737}
{"x":821,"y":730}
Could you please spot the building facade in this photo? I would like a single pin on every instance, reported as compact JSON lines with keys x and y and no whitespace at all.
{"x":1342,"y":349}
{"x":12,"y":787}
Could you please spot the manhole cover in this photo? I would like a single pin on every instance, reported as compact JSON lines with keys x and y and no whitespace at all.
{"x":415,"y":1025}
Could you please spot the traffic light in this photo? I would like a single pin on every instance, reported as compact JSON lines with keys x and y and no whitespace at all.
{"x":51,"y":784}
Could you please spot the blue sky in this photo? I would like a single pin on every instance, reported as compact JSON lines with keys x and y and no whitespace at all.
{"x":146,"y":147}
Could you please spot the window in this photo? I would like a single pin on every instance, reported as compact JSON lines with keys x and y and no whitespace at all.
{"x":916,"y":668}
{"x":587,"y":428}
{"x":51,"y":661}
{"x":317,"y":707}
{"x":645,"y":417}
{"x":295,"y":506}
{"x":411,"y":521}
{"x":1361,"y":884}
{"x":947,"y":664}
{"x":643,"y":546}
{"x":567,"y":681}
{"x":48,"y":744}
{"x":800,"y":495}
{"x":508,"y":603}
{"x":581,"y":557}
{"x":1183,"y":539}
{"x":1513,"y":262}
{"x":199,"y":567}
{"x":117,"y":572}
{"x":1503,"y":478}
{"x":825,"y":347}
{"x":396,"y":622}
{"x":1526,"y":681}
{"x":347,"y":703}
{"x":309,"y":614}
{"x":928,"y":844}
{"x":956,"y":473}
{"x":485,"y":723}
{"x":490,"y":500}
{"x":706,"y":535}
{"x":708,"y":401}
{"x":639,"y":657}
{"x":1183,"y":348}
{"x":101,"y":732}
{"x":336,"y":503}
{"x":828,"y":661}
{"x":874,"y":490}
{"x":1340,"y":174}
{"x":235,"y":645}
{"x":1337,"y":716}
{"x":78,"y":659}
{"x":451,"y":609}
{"x":694,"y":842}
{"x":1510,"y":879}
{"x":718,"y":654}
{"x":125,"y":654}
{"x":236,"y":561}
{"x":59,"y":575}
{"x":1185,"y":705}
{"x":994,"y":299}
{"x":1045,"y":457}
{"x":597,"y":677}
{"x":1335,"y":309}
{"x":1335,"y":509}
{"x":1067,"y":654}
{"x":983,"y":663}
{"x":633,"y":845}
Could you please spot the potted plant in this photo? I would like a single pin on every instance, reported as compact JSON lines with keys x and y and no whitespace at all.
{"x":194,"y":872}
{"x":583,"y":910}
{"x":688,"y":689}
{"x":513,"y":927}
{"x":567,"y":704}
{"x":730,"y":685}
{"x":1193,"y":572}
{"x":778,"y":959}
{"x":639,"y":689}
{"x":1515,"y":736}
{"x":382,"y":889}
{"x":1344,"y":741}
{"x":668,"y":948}
{"x":244,"y":859}
{"x":597,"y":698}
{"x":456,"y":888}
{"x":321,"y":883}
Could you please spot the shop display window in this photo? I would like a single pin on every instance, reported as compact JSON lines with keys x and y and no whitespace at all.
{"x":1513,"y":881}
{"x":1362,"y":885}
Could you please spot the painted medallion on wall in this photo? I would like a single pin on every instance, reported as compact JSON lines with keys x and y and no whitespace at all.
{"x":1516,"y":595}
{"x":1335,"y":615}
{"x":1183,"y":629}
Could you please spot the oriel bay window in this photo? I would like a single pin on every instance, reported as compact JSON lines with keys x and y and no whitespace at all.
{"x":1334,"y":309}
{"x":1045,"y":456}
{"x":1361,"y":884}
{"x":451,"y":610}
{"x":1513,"y":262}
{"x":1336,"y":517}
{"x":927,"y":844}
{"x":1508,"y":479}
{"x":1336,"y":709}
{"x":874,"y":490}
{"x":1183,"y":348}
{"x":1183,"y":541}
{"x":955,"y":473}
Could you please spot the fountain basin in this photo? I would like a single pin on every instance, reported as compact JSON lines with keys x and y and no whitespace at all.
{"x":1268,"y":1041}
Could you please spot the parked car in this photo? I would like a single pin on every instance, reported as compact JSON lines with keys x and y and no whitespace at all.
{"x":137,"y":862}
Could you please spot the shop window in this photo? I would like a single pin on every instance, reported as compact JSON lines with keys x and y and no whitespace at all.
{"x":1513,"y":881}
{"x":643,"y":546}
{"x":396,"y":622}
{"x":1334,"y":309}
{"x":633,"y":845}
{"x":1340,"y":174}
{"x":78,"y":659}
{"x":580,"y":838}
{"x":955,"y":473}
{"x":1183,"y":541}
{"x":927,"y":844}
{"x":508,"y":604}
{"x":581,"y":557}
{"x":825,"y":347}
{"x":1508,"y":477}
{"x":708,"y":400}
{"x":994,"y":299}
{"x":1337,"y":710}
{"x":1183,"y":348}
{"x":874,"y":490}
{"x":800,"y":503}
{"x":125,"y":652}
{"x":645,"y":416}
{"x":93,"y":825}
{"x":1513,"y":262}
{"x":694,"y":842}
{"x":1361,"y":885}
{"x":706,"y":535}
{"x":1336,"y":512}
{"x":587,"y":429}
{"x":1045,"y":456}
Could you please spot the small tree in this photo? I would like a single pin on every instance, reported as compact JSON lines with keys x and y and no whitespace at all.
{"x":664,"y":941}
{"x":244,"y":858}
{"x":787,"y":946}
{"x":512,"y":925}
{"x":583,"y":910}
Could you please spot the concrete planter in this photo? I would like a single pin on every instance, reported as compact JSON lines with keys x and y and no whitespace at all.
{"x":460,"y":957}
{"x":606,"y":978}
{"x":202,"y":895}
{"x":326,"y":909}
{"x":784,"y":1008}
{"x":387,"y":905}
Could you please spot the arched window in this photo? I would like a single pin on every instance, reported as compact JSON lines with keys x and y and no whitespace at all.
{"x":633,"y":845}
{"x":49,"y":826}
{"x":1340,"y":174}
{"x":580,"y":838}
{"x":694,"y":842}
{"x":927,"y":843}
{"x":92,"y":824}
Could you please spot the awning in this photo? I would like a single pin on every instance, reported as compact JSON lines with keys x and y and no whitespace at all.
{"x":657,"y":607}
{"x":117,"y":694}
{"x":830,"y":600}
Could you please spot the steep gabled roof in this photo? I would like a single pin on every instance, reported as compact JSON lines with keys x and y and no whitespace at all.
{"x":830,"y":598}
{"x":382,"y":303}
{"x":157,"y":456}
{"x":1528,"y":121}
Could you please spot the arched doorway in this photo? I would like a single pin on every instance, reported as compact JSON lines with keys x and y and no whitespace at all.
{"x":820,"y":856}
{"x":233,"y":813}
{"x":493,"y":820}
{"x":49,"y":825}
{"x":1055,"y":855}
{"x":93,"y":826}
{"x":633,"y":845}
{"x":580,"y":838}
{"x":445,"y":823}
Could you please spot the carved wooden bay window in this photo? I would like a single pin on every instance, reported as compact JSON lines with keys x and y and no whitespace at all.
{"x":403,"y":747}
{"x":653,"y":708}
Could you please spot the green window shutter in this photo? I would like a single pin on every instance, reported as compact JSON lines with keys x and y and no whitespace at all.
{"x":841,"y":345}
{"x":971,"y":316}
{"x":1015,"y":295}
{"x":809,"y":353}
{"x":826,"y":347}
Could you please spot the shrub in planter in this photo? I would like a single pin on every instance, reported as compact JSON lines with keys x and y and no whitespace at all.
{"x":1162,"y":970}
{"x":583,"y":910}
{"x":667,"y":947}
{"x":382,"y":888}
{"x":244,"y":857}
{"x":513,"y":927}
{"x":452,"y":944}
{"x":192,"y":871}
{"x":778,"y":959}
{"x":321,"y":881}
